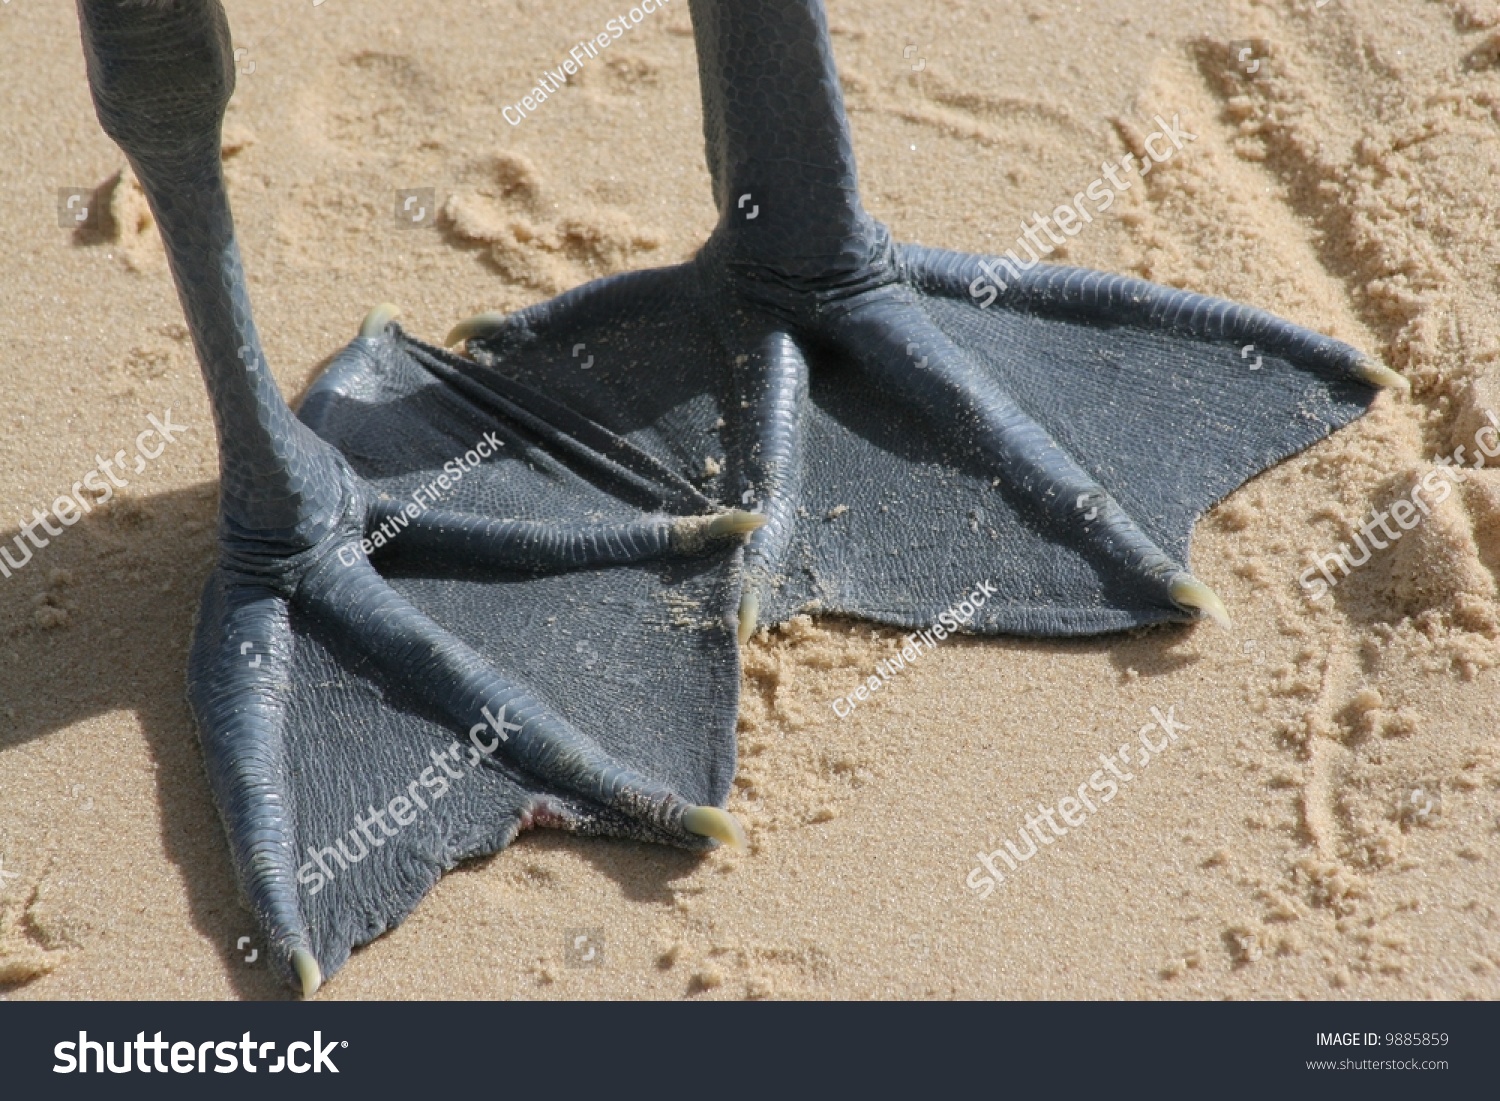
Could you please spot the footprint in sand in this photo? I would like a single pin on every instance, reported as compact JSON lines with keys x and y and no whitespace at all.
{"x":529,"y":243}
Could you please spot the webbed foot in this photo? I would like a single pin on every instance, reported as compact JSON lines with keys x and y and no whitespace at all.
{"x":447,"y":608}
{"x":911,"y":440}
{"x":915,"y":422}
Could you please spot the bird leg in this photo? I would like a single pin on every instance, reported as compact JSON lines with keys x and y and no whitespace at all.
{"x":907,"y":426}
{"x":293,"y":586}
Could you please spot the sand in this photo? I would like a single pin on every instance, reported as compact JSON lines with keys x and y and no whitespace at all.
{"x":1324,"y":827}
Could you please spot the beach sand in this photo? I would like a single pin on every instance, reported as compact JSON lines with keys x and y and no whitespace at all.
{"x":1326,"y":826}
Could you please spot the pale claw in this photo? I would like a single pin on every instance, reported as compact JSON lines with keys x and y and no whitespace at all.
{"x":1189,"y":592}
{"x":749,"y":615}
{"x":479,"y":325}
{"x":377,"y":319}
{"x":718,"y":824}
{"x":736,"y":522}
{"x":1384,"y":377}
{"x":308,"y":971}
{"x":692,"y":533}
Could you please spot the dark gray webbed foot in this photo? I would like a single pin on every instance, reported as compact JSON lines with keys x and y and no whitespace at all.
{"x":330,"y":703}
{"x":366,"y":731}
{"x":915,"y":422}
{"x":447,"y":608}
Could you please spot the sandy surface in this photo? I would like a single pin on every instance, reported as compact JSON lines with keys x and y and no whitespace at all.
{"x":1325,"y":827}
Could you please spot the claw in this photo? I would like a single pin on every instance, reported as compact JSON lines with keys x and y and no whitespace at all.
{"x":479,"y":325}
{"x":1384,"y":377}
{"x":308,"y":971}
{"x":736,"y":522}
{"x":1188,"y":592}
{"x":377,"y":319}
{"x":722,"y":826}
{"x":693,"y":534}
{"x":749,"y":614}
